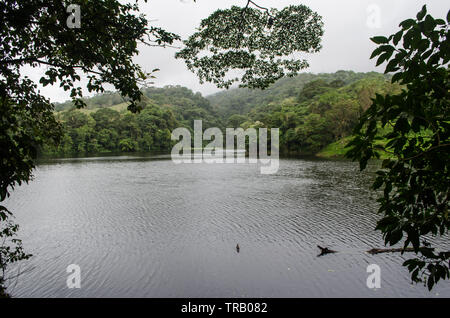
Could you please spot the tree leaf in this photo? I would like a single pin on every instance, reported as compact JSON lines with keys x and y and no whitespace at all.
{"x":407,"y":24}
{"x":422,"y":13}
{"x":380,"y":40}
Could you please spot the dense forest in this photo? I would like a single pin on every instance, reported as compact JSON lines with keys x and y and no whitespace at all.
{"x":312,"y":111}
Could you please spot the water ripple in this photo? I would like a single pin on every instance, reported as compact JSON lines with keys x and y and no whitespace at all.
{"x":149,"y":228}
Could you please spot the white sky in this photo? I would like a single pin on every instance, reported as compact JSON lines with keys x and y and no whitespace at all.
{"x":348,"y":26}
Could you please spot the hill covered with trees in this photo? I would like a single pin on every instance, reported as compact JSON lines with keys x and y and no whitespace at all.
{"x":107,"y":127}
{"x":312,"y":111}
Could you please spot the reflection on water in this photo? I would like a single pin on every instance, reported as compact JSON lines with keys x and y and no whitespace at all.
{"x":145,"y":227}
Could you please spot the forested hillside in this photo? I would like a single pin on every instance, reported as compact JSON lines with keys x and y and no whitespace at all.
{"x":112,"y":128}
{"x":240,"y":101}
{"x":311,"y":111}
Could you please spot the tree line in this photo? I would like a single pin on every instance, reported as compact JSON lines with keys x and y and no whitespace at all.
{"x":311,"y":111}
{"x":115,"y":129}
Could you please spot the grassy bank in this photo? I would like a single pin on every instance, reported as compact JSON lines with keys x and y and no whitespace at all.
{"x":335,"y":150}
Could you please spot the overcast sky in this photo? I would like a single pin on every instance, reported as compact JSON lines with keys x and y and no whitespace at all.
{"x":348,"y":26}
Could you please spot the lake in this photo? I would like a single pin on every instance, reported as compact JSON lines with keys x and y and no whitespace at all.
{"x":144,"y":227}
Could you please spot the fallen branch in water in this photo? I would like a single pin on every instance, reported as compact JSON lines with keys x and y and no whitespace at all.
{"x":325,"y":250}
{"x":374,"y":251}
{"x":396,"y":250}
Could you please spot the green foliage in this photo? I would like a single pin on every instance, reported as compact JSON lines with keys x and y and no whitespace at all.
{"x":236,"y":120}
{"x":106,"y":130}
{"x":112,"y":30}
{"x":243,"y":100}
{"x":309,"y":120}
{"x":314,"y":88}
{"x":336,"y":149}
{"x":11,"y":249}
{"x":416,"y":181}
{"x":34,"y":33}
{"x":257,"y":42}
{"x":127,"y":145}
{"x":311,"y":111}
{"x":186,"y":105}
{"x":105,"y":99}
{"x":22,"y":130}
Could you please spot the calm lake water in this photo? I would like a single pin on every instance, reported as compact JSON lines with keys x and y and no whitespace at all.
{"x":145,"y":227}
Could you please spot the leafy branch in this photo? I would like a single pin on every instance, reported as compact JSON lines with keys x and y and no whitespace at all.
{"x":416,"y":186}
